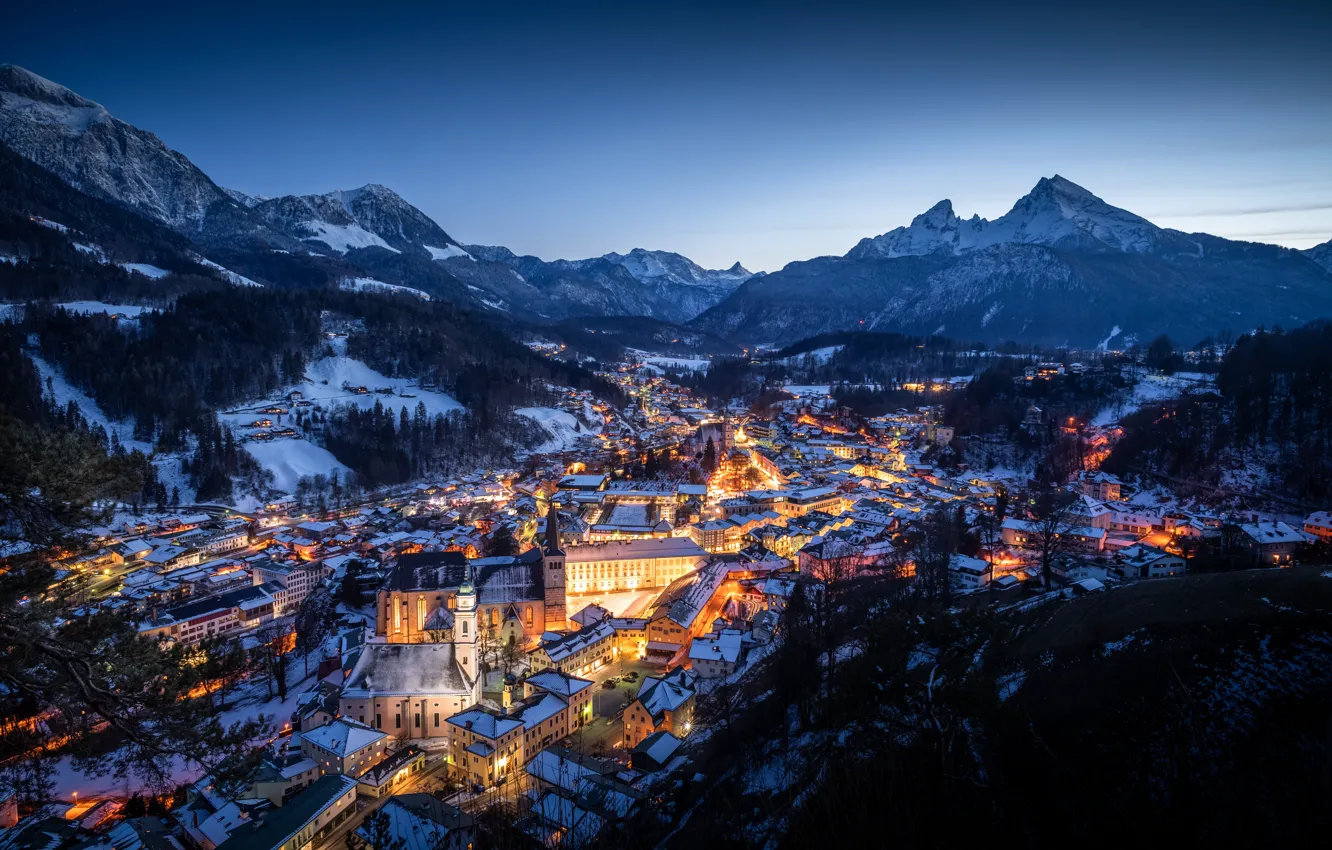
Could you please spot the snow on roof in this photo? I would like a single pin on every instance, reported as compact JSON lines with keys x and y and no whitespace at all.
{"x":666,"y":693}
{"x":343,"y":737}
{"x":723,"y":647}
{"x":1266,"y":533}
{"x":659,"y":746}
{"x":670,"y":547}
{"x":557,"y":682}
{"x":556,"y":770}
{"x":413,"y":668}
{"x":485,"y":723}
{"x":406,"y":829}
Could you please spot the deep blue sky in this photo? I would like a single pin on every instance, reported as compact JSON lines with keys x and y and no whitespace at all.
{"x":763,"y":133}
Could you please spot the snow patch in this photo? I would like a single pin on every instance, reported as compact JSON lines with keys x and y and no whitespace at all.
{"x":344,"y":238}
{"x":145,"y":269}
{"x":369,"y":284}
{"x":292,"y":460}
{"x":447,"y":252}
{"x":228,"y":274}
{"x":563,"y":428}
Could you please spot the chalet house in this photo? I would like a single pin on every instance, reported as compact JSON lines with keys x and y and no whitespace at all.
{"x":664,"y":703}
{"x":716,"y":656}
{"x":1149,"y":562}
{"x":968,"y":573}
{"x":1273,"y":542}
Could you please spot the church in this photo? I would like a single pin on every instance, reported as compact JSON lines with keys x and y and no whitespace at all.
{"x":517,"y":597}
{"x":410,"y":690}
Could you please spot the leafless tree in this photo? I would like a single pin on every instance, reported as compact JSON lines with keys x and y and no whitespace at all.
{"x":1052,"y":521}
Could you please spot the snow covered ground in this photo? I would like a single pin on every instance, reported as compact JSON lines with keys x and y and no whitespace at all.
{"x":561,"y":426}
{"x":820,"y":355}
{"x":238,"y":279}
{"x":328,"y":382}
{"x":807,"y":391}
{"x":369,"y":284}
{"x":343,"y":238}
{"x":65,"y":392}
{"x":448,"y":251}
{"x":169,"y":470}
{"x":692,"y":364}
{"x":68,"y":780}
{"x":1151,"y":389}
{"x":102,"y":307}
{"x":145,"y":269}
{"x":290,"y":460}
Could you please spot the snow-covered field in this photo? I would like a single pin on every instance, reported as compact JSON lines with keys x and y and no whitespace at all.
{"x":327,"y":383}
{"x":820,"y":355}
{"x":807,"y":391}
{"x":1151,"y":389}
{"x":693,"y":364}
{"x":369,"y":284}
{"x":561,"y":426}
{"x":290,"y":460}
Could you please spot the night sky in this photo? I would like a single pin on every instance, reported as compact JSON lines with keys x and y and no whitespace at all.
{"x":763,"y":133}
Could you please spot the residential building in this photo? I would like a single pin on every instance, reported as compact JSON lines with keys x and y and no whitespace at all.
{"x":306,"y":820}
{"x":345,"y":747}
{"x":664,"y":703}
{"x":1273,"y":542}
{"x":716,"y":656}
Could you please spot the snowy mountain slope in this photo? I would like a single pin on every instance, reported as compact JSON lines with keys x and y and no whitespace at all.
{"x":1057,"y":212}
{"x":371,"y":229}
{"x":1321,"y":254}
{"x":1061,"y":267}
{"x":371,"y":216}
{"x":101,"y":155}
{"x":564,"y":429}
{"x":659,"y":284}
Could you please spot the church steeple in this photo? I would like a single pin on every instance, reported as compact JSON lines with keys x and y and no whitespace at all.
{"x":553,"y":531}
{"x":553,"y":580}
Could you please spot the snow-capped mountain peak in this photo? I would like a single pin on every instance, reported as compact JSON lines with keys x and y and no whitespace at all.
{"x":1055,"y":212}
{"x":19,"y":81}
{"x":669,"y":267}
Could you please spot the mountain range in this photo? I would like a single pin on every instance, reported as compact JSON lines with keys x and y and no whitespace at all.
{"x":1061,"y":267}
{"x":370,"y":232}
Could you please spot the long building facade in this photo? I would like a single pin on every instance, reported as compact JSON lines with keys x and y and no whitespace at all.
{"x":630,"y":565}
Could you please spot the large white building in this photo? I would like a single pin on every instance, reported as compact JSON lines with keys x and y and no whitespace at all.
{"x":630,"y":564}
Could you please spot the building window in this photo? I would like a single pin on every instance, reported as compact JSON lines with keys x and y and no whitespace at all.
{"x":436,"y":719}
{"x":397,"y":721}
{"x":379,"y":721}
{"x":527,"y":615}
{"x":416,"y":720}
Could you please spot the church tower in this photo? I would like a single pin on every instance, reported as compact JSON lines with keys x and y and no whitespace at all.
{"x":552,"y":573}
{"x":464,"y":630}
